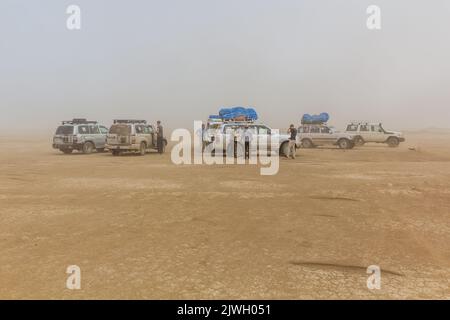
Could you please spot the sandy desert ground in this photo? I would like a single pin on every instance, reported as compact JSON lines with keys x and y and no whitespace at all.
{"x":141,"y":227}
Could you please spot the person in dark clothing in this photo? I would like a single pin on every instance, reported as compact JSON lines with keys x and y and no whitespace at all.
{"x":159,"y":137}
{"x":292,"y":139}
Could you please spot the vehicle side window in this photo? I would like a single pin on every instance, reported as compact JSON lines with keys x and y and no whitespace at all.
{"x":103,"y":130}
{"x":94,"y":130}
{"x":139,"y":129}
{"x":150,"y":129}
{"x":304,"y":129}
{"x":324,"y":130}
{"x":229,"y":129}
{"x":364,"y":128}
{"x":83,"y":129}
{"x":146,"y":130}
{"x":262,"y":130}
{"x":315,"y":130}
{"x":376,"y":128}
{"x":352,"y":127}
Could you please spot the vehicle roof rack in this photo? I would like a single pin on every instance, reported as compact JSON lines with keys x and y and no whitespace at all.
{"x":313,"y":124}
{"x":365,"y":122}
{"x":129,"y":121}
{"x":239,"y":121}
{"x":79,"y":121}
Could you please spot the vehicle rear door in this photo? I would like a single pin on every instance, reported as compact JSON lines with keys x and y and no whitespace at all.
{"x":64,"y":134}
{"x":364,"y":132}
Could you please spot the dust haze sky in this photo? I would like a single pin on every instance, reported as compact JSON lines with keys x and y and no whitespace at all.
{"x":180,"y":60}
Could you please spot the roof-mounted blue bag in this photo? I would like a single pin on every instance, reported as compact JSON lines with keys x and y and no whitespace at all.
{"x":315,"y":119}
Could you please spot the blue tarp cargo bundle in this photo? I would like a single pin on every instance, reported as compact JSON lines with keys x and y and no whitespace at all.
{"x":238,"y":113}
{"x":315,"y":118}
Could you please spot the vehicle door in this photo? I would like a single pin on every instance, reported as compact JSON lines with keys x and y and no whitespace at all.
{"x":97,"y":139}
{"x":64,"y":134}
{"x":103,"y":134}
{"x":264,"y":136}
{"x":364,"y":132}
{"x":151,"y":136}
{"x":377,"y":133}
{"x":140,"y":135}
{"x":227,"y":136}
{"x":315,"y":135}
{"x":85,"y":133}
{"x":327,"y":136}
{"x":302,"y":132}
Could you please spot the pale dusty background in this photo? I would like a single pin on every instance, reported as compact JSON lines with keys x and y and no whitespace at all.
{"x":179,"y":61}
{"x":141,"y":227}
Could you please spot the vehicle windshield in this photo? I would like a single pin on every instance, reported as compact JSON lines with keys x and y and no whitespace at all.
{"x":120,"y":129}
{"x":64,"y":130}
{"x":213,"y":126}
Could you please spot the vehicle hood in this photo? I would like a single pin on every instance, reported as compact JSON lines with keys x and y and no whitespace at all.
{"x":396,"y":133}
{"x":283,"y":136}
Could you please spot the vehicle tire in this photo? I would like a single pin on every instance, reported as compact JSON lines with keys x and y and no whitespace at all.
{"x":142,"y":149}
{"x":393,"y":142}
{"x":306,"y":143}
{"x":344,"y":144}
{"x":116,"y":152}
{"x":88,"y":147}
{"x":66,"y":151}
{"x":359,"y":141}
{"x":284,"y":149}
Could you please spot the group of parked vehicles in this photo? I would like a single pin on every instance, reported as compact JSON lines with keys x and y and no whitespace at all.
{"x":309,"y":135}
{"x":127,"y":135}
{"x":357,"y":134}
{"x":123,"y":136}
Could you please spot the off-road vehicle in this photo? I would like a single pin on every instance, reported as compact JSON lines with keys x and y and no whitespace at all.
{"x":314,"y":135}
{"x":236,"y":130}
{"x":80,"y":134}
{"x":373,"y":132}
{"x":132,"y":136}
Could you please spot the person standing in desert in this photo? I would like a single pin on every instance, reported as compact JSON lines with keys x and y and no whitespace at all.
{"x":293,"y":136}
{"x":159,"y":136}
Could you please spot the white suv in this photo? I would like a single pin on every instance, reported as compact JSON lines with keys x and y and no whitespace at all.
{"x":132,"y":136}
{"x":80,"y":134}
{"x":258,"y":131}
{"x":314,"y":135}
{"x":374,"y":132}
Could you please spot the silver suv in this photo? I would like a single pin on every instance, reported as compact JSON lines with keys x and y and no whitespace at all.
{"x":313,"y":135}
{"x":132,"y":136}
{"x":237,"y":130}
{"x":80,"y":134}
{"x":374,"y":132}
